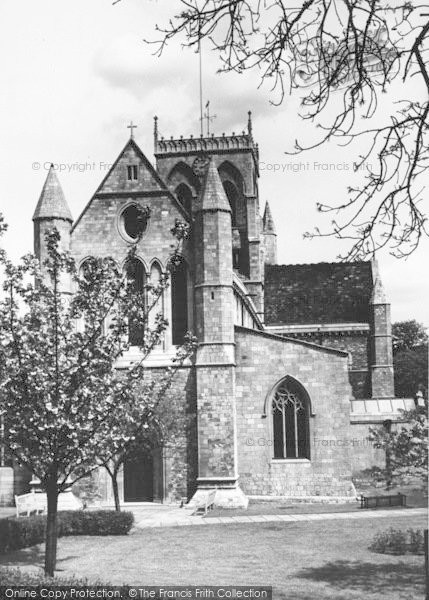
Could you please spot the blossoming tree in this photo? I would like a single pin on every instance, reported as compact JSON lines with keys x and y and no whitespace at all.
{"x":62,"y":398}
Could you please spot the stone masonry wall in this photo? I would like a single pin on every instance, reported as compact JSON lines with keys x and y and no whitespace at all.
{"x":359,"y":346}
{"x":179,"y":451}
{"x":262,"y":361}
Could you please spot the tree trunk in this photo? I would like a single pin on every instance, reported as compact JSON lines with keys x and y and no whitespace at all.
{"x":51,"y":529}
{"x":388,"y":469}
{"x":114,"y":476}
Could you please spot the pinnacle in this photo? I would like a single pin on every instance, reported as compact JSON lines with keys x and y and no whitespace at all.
{"x":213,"y":195}
{"x":52,"y":203}
{"x":268,"y":221}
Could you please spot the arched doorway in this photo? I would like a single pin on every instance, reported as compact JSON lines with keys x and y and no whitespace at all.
{"x":139,"y":477}
{"x":144,"y":469}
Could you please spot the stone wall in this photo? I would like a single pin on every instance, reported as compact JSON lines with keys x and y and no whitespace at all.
{"x":364,"y":455}
{"x":358,"y":345}
{"x":177,"y":464}
{"x":262,"y":361}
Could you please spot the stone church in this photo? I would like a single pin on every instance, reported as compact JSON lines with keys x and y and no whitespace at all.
{"x":294,"y":362}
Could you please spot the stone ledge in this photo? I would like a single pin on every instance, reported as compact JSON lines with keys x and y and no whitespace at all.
{"x":308,"y":499}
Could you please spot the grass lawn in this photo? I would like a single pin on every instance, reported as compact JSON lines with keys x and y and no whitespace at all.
{"x":302,"y":561}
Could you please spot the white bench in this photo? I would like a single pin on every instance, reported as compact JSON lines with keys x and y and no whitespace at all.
{"x":36,"y":502}
{"x":29,"y":503}
{"x":205,"y":505}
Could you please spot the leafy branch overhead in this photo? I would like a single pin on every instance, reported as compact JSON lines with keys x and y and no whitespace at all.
{"x":343,"y":56}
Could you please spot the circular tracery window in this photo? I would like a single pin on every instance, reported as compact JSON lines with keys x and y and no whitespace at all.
{"x":134,"y":221}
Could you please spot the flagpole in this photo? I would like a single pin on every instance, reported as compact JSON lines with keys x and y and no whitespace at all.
{"x":201,"y":87}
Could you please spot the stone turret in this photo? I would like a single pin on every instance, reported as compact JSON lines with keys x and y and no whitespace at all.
{"x":270,"y":236}
{"x":215,"y":364}
{"x":51,"y":212}
{"x":382,"y":357}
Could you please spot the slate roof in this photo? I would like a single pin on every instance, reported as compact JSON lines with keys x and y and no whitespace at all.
{"x":52,"y":202}
{"x":318,"y":293}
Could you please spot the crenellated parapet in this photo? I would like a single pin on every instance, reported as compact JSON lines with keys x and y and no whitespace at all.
{"x":211,"y":144}
{"x":193,"y":145}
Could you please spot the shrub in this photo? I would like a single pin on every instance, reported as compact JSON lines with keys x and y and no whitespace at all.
{"x":28,"y":531}
{"x":17,"y":577}
{"x":20,"y":533}
{"x":417,"y":541}
{"x":397,"y":541}
{"x":94,"y":522}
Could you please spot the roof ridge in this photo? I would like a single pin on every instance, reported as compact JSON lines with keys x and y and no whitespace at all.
{"x":356,"y":262}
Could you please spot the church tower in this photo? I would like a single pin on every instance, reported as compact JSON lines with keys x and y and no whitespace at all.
{"x":181,"y":161}
{"x":215,"y":364}
{"x":52,"y":211}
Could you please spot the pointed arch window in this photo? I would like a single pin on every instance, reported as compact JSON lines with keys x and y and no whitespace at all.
{"x":179,"y":302}
{"x":184,"y":195}
{"x":136,"y":277}
{"x":290,"y":413}
{"x":232,"y":195}
{"x":155,"y":299}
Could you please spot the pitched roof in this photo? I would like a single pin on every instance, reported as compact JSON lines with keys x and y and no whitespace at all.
{"x":213,"y":195}
{"x":318,"y":293}
{"x":115,"y":182}
{"x":268,"y":221}
{"x":52,"y":202}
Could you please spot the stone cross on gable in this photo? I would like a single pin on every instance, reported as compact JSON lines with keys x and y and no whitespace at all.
{"x":132,"y":127}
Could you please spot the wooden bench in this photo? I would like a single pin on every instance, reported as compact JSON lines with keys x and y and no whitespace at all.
{"x":376,"y":501}
{"x":30,"y":503}
{"x":207,"y":504}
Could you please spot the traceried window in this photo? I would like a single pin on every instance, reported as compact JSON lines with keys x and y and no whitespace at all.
{"x":136,"y":277}
{"x":290,"y":421}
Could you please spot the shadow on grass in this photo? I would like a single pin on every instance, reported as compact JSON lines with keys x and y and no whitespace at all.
{"x":367,"y":577}
{"x":30,"y":557}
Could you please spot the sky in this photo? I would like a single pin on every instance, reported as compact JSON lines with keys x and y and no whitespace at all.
{"x":75,"y":73}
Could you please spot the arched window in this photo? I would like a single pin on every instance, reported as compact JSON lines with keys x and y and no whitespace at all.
{"x":179,"y":302}
{"x":184,"y":195}
{"x":136,"y":277}
{"x":232,"y":195}
{"x":156,"y":297}
{"x":290,"y":410}
{"x":86,"y":269}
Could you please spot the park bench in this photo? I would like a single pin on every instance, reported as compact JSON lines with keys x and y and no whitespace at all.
{"x":387,"y":500}
{"x":205,"y":505}
{"x":30,"y":503}
{"x":36,"y":502}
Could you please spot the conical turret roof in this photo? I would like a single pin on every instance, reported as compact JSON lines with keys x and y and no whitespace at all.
{"x":52,"y":203}
{"x":213,"y":196}
{"x":268,"y":221}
